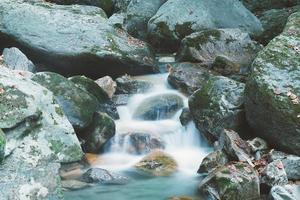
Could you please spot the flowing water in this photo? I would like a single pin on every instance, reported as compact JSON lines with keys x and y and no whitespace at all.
{"x":183,"y":143}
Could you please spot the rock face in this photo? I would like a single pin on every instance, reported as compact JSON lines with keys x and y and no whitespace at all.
{"x":98,"y":133}
{"x":160,"y":106}
{"x":231,"y":44}
{"x":157,"y":163}
{"x":127,"y":85}
{"x":176,"y":19}
{"x":218,"y":105}
{"x":138,"y":14}
{"x":2,"y":145}
{"x":78,"y":105}
{"x":272,"y":92}
{"x":102,"y":176}
{"x":188,"y":77}
{"x":37,"y":134}
{"x":86,"y":43}
{"x":274,"y":22}
{"x":261,"y":5}
{"x":14,"y":59}
{"x":212,"y":161}
{"x":106,"y":5}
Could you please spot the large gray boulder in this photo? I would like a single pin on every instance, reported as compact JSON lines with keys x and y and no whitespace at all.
{"x":217,"y":105}
{"x":86,"y":42}
{"x":273,"y":90}
{"x":138,"y":14}
{"x":176,"y":19}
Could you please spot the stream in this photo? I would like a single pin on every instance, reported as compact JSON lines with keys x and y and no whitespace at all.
{"x":183,"y":143}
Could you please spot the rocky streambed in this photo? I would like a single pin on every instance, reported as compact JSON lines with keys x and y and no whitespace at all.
{"x":162,"y":99}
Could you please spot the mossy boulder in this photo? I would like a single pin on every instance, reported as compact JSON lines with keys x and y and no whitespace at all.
{"x":86,"y":43}
{"x":2,"y":145}
{"x":78,"y":105}
{"x":157,"y":163}
{"x":176,"y":19}
{"x":98,"y":133}
{"x":212,"y":161}
{"x":219,"y":104}
{"x":231,"y":182}
{"x":273,"y":90}
{"x":161,"y":106}
{"x":230,"y":51}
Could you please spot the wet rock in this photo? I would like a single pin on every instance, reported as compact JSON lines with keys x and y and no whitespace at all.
{"x":160,"y":106}
{"x":103,"y":176}
{"x":78,"y":105}
{"x":14,"y":59}
{"x":273,"y":174}
{"x":230,"y":51}
{"x":212,"y":161}
{"x":128,"y":85}
{"x":106,"y":5}
{"x":74,"y":185}
{"x":157,"y":163}
{"x":185,"y":116}
{"x":274,"y":22}
{"x":235,"y":181}
{"x":100,"y":48}
{"x":138,"y":14}
{"x":217,"y":105}
{"x":260,"y":5}
{"x":2,"y":145}
{"x":235,"y":147}
{"x":121,"y":99}
{"x":290,"y":162}
{"x":166,"y":28}
{"x":282,"y":193}
{"x":272,"y":91}
{"x":188,"y":77}
{"x":142,"y":143}
{"x":98,"y":133}
{"x":108,"y":85}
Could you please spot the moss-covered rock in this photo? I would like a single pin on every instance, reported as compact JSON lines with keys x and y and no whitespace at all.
{"x":157,"y":163}
{"x":232,"y":182}
{"x":217,"y":105}
{"x":212,"y":161}
{"x":77,"y":104}
{"x":2,"y":145}
{"x":273,"y":90}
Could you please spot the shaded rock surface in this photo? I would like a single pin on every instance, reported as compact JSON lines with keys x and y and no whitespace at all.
{"x":261,"y":5}
{"x":128,"y":85}
{"x":272,"y":92}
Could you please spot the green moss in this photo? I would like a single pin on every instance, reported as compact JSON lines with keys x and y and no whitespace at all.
{"x":202,"y":38}
{"x":184,"y":29}
{"x":59,"y":111}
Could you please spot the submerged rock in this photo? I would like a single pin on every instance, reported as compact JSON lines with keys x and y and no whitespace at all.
{"x":128,"y":85}
{"x":103,"y":176}
{"x":232,"y":182}
{"x":14,"y":59}
{"x":176,"y":19}
{"x":212,"y":161}
{"x":272,"y":92}
{"x":160,"y":106}
{"x":217,"y":105}
{"x":86,"y":43}
{"x":78,"y":105}
{"x":157,"y":163}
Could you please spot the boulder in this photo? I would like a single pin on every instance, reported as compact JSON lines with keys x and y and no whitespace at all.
{"x":261,"y":5}
{"x":185,"y":116}
{"x":117,"y":20}
{"x":106,"y":5}
{"x":212,"y":161}
{"x":176,"y":19}
{"x":235,"y":181}
{"x":71,"y":185}
{"x":283,"y":193}
{"x":188,"y":77}
{"x":274,"y":21}
{"x":14,"y":59}
{"x":108,"y":85}
{"x":38,"y":138}
{"x":230,"y":51}
{"x":86,"y":43}
{"x":138,"y":14}
{"x":272,"y":92}
{"x":217,"y":105}
{"x":2,"y":145}
{"x":157,"y":163}
{"x":273,"y":174}
{"x":78,"y":105}
{"x":128,"y":85}
{"x":161,"y":106}
{"x":98,"y":133}
{"x":103,"y":176}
